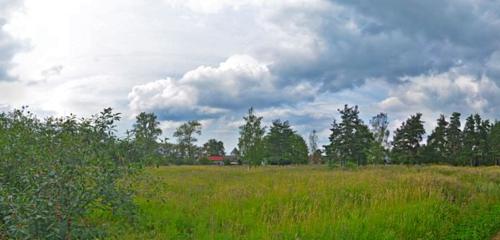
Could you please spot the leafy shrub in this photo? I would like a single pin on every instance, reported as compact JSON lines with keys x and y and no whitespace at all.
{"x":53,"y":172}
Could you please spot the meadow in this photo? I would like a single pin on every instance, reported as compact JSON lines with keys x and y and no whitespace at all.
{"x":312,"y":202}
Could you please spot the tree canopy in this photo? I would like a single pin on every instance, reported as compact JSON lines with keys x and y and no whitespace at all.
{"x":250,"y":140}
{"x":283,"y":145}
{"x":185,"y":135}
{"x":350,"y":139}
{"x":406,"y":147}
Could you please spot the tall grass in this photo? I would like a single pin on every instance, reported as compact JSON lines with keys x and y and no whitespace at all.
{"x":200,"y":202}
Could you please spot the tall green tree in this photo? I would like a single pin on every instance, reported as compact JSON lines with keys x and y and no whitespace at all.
{"x":477,"y":149}
{"x":495,"y":142}
{"x":379,"y":125}
{"x":168,"y":152}
{"x":335,"y":150}
{"x":278,"y":143}
{"x":146,"y":131}
{"x":455,"y":139}
{"x":350,"y":139}
{"x":406,"y":143}
{"x":483,"y":128}
{"x":185,"y":135}
{"x":437,"y":143}
{"x":299,"y":150}
{"x":283,"y":145}
{"x":250,"y":140}
{"x":214,"y":147}
{"x":470,"y":142}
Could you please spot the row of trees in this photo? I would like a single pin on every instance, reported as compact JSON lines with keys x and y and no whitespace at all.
{"x":281,"y":145}
{"x":351,"y":141}
{"x":146,"y":146}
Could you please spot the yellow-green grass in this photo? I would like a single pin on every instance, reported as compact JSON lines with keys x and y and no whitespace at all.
{"x":304,"y":202}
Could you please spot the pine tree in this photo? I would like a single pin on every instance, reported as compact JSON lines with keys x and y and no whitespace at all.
{"x":495,"y":142}
{"x":470,"y":142}
{"x":483,"y":131}
{"x":299,"y":150}
{"x":278,"y":143}
{"x":350,"y":139}
{"x":437,"y":143}
{"x":477,"y":148}
{"x":455,"y":139}
{"x":335,"y":149}
{"x":406,"y":143}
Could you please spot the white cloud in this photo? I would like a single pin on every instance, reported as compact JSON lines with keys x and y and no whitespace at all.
{"x":444,"y":93}
{"x":237,"y":83}
{"x":451,"y":91}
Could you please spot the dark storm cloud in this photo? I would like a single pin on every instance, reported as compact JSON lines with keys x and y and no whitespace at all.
{"x":343,"y":46}
{"x":390,"y":39}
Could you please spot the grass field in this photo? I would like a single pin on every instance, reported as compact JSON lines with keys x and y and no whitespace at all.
{"x":209,"y":202}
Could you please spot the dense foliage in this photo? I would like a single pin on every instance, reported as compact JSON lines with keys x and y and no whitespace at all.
{"x":350,"y":138}
{"x":185,"y":135}
{"x":213,"y":147}
{"x":351,"y":143}
{"x":282,"y":145}
{"x":251,"y":137}
{"x":495,"y":143}
{"x":406,"y":145}
{"x":144,"y":144}
{"x":53,"y":172}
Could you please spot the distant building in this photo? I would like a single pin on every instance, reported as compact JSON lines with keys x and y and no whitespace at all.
{"x":218,"y":160}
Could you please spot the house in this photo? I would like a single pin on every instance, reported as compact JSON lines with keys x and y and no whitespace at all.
{"x":218,"y":160}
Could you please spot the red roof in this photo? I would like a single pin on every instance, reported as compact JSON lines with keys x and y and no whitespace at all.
{"x":216,"y":158}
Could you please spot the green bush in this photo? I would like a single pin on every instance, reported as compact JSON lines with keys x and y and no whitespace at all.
{"x":53,"y":172}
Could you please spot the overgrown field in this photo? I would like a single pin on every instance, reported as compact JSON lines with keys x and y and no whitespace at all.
{"x":209,"y":202}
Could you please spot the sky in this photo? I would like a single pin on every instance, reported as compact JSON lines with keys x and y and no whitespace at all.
{"x":210,"y":60}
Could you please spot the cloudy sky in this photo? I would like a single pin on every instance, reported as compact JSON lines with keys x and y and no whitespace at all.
{"x":298,"y":60}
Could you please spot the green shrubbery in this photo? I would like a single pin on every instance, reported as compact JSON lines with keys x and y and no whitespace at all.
{"x":53,"y":172}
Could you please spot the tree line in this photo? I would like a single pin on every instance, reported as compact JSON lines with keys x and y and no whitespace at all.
{"x":280,"y":145}
{"x":351,"y":142}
